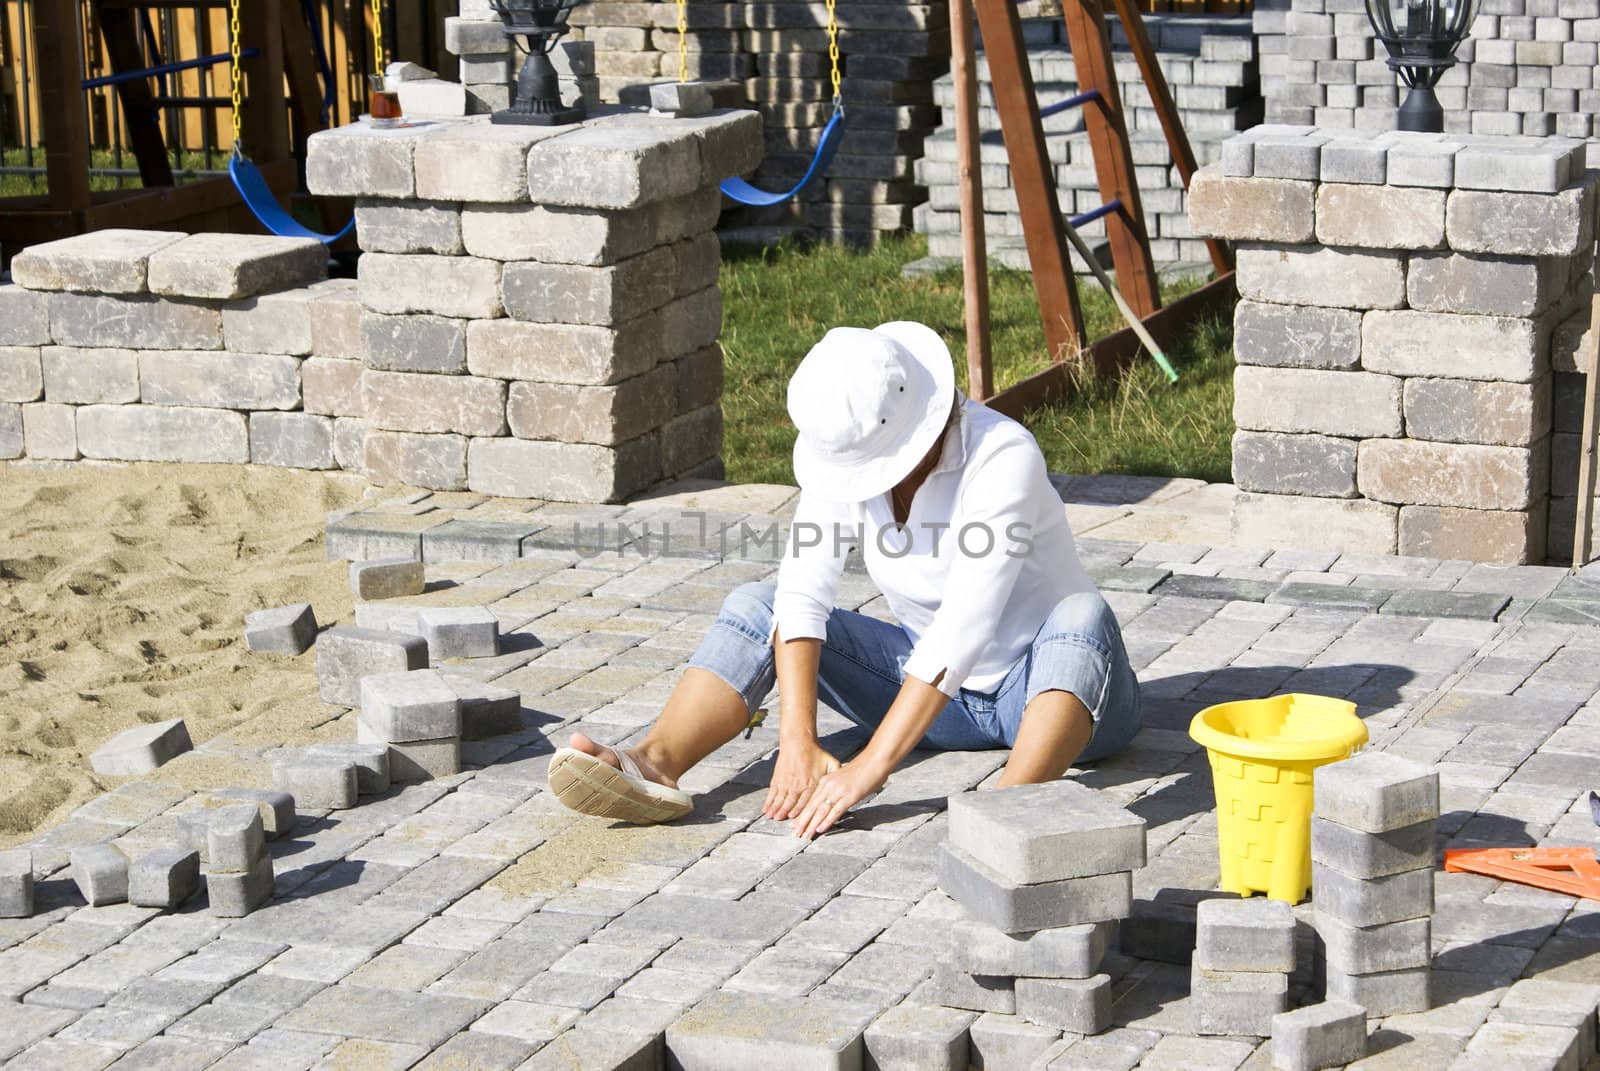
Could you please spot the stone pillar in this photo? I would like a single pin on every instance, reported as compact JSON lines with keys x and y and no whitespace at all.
{"x":541,"y":307}
{"x":1399,"y":293}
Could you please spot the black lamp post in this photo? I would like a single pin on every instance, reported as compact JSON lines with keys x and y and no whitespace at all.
{"x":539,"y":23}
{"x":1422,"y":37}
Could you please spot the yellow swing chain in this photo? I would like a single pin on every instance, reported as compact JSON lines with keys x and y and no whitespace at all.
{"x":833,"y":57}
{"x":683,"y":40}
{"x":377,"y":35}
{"x":235,"y":74}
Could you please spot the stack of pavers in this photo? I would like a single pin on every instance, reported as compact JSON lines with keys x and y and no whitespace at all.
{"x":1372,"y":859}
{"x":1243,"y":956}
{"x":1043,"y":873}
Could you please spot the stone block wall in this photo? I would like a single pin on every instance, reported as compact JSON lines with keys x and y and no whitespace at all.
{"x":1529,"y":67}
{"x":1570,"y":364}
{"x":536,"y":316}
{"x":1209,"y":64}
{"x":1399,"y":295}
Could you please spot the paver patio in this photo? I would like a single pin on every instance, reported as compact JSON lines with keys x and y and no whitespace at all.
{"x":472,"y":922}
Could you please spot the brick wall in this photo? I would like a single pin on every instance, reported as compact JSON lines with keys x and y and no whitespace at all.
{"x":536,"y":316}
{"x":1399,"y":297}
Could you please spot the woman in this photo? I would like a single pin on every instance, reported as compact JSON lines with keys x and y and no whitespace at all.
{"x":1003,"y":641}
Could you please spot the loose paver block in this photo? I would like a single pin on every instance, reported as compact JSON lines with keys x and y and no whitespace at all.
{"x":316,"y":781}
{"x":141,"y":749}
{"x":423,"y":760}
{"x":1074,"y":1005}
{"x":1330,"y":1034}
{"x":1038,"y":833}
{"x":101,"y":873}
{"x":1062,"y":952}
{"x":1376,"y":792}
{"x":459,"y":632}
{"x":1502,"y":1044}
{"x":289,"y":630}
{"x":164,"y":878}
{"x":1385,"y":992}
{"x":1237,"y":1002}
{"x":400,"y":708}
{"x":1244,"y":935}
{"x":1544,"y":1002}
{"x":1394,"y":946}
{"x":370,"y":760}
{"x":952,"y":987}
{"x":387,"y":578}
{"x":235,"y":894}
{"x":1372,"y":901}
{"x":486,"y":709}
{"x":1372,"y":855}
{"x":683,"y":99}
{"x":104,"y":262}
{"x":235,"y":839}
{"x":16,"y":884}
{"x":1009,"y":1041}
{"x":345,"y":655}
{"x":991,"y":898}
{"x":276,"y":808}
{"x":230,"y":266}
{"x":919,"y":1037}
{"x":732,"y":1031}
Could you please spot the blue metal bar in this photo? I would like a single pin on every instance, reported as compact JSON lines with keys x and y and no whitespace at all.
{"x":165,"y":68}
{"x":1075,"y":101}
{"x":1113,"y":205}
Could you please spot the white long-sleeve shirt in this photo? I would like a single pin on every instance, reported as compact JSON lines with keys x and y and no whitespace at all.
{"x":986,"y":553}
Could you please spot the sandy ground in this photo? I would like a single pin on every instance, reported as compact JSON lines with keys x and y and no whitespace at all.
{"x":122,"y":598}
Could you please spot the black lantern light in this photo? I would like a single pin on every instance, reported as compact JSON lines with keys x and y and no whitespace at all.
{"x":539,"y":24}
{"x":1422,"y":37}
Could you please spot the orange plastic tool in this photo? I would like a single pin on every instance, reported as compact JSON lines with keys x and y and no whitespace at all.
{"x":1573,"y":871}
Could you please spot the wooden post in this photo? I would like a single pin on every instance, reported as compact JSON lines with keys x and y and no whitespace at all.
{"x":266,"y":113}
{"x":121,"y":34}
{"x":1583,"y":527}
{"x":66,"y":132}
{"x":1032,"y":176}
{"x":969,"y":164}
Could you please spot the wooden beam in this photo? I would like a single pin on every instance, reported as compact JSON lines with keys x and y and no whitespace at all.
{"x":1032,"y":176}
{"x":266,"y":116}
{"x":1167,"y":112}
{"x":1113,"y":158}
{"x":1583,"y":527}
{"x":969,"y":164}
{"x":165,"y":206}
{"x":66,"y":131}
{"x":121,"y":35}
{"x":1116,"y":352}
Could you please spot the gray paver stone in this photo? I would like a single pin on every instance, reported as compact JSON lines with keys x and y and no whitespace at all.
{"x":919,"y":1037}
{"x":1393,"y":946}
{"x":385,"y":1015}
{"x":235,"y":894}
{"x":1237,"y":1002}
{"x":230,"y":266}
{"x":1372,"y":855}
{"x":1038,"y":833}
{"x":1372,"y":901}
{"x":16,"y":884}
{"x":1061,"y":952}
{"x":345,"y":655}
{"x":991,"y":898}
{"x":952,"y":987}
{"x":317,"y":781}
{"x":731,"y":1031}
{"x":101,"y":873}
{"x":416,"y":705}
{"x":288,"y":630}
{"x":1467,"y":605}
{"x":235,"y":839}
{"x":424,"y":760}
{"x":105,"y":262}
{"x":1376,"y":792}
{"x":686,"y":99}
{"x":459,"y":632}
{"x":476,"y":541}
{"x":370,"y":760}
{"x":1004,"y":1041}
{"x":1330,"y":1034}
{"x":141,"y":749}
{"x":164,"y":878}
{"x":1541,"y":1001}
{"x":1244,"y":935}
{"x":1499,"y":1044}
{"x":1074,"y":1005}
{"x":487,"y":710}
{"x":277,"y":808}
{"x":387,"y":578}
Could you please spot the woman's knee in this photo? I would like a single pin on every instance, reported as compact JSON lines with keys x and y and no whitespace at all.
{"x":1082,"y":615}
{"x":748,"y":608}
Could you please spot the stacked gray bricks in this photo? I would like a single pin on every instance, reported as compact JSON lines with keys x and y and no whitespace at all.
{"x":1042,"y":873}
{"x":157,"y":346}
{"x":1372,"y":859}
{"x":1393,"y":388}
{"x":1243,"y":956}
{"x":541,"y":308}
{"x":239,"y":875}
{"x":1529,"y":67}
{"x":1209,"y":65}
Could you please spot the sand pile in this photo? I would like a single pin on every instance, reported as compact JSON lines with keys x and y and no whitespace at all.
{"x":122,"y":600}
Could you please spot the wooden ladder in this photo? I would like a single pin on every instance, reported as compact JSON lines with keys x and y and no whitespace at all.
{"x":1033,"y":178}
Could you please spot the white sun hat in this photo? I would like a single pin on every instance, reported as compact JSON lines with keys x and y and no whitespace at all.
{"x":868,"y":405}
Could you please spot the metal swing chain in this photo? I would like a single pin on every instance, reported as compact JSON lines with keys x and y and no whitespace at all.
{"x":683,"y":40}
{"x":235,"y":73}
{"x":377,"y":35}
{"x":833,"y":57}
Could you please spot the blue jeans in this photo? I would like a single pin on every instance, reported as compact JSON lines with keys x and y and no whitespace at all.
{"x":1078,"y":649}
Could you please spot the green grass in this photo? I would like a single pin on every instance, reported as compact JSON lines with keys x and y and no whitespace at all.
{"x":778,"y":302}
{"x":29,"y":185}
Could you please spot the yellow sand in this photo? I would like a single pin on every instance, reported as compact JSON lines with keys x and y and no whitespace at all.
{"x":122,"y":600}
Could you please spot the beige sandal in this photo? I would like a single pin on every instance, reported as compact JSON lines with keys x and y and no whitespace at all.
{"x":590,"y":785}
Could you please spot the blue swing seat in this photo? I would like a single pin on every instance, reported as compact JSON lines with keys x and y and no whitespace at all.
{"x":746,"y":194}
{"x":263,"y":204}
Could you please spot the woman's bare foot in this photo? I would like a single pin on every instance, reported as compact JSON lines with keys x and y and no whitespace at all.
{"x":608,"y":755}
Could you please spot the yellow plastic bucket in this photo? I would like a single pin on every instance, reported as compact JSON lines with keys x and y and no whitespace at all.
{"x":1263,"y":752}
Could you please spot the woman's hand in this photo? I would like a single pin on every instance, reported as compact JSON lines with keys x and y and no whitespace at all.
{"x":800,"y":766}
{"x":836,"y":793}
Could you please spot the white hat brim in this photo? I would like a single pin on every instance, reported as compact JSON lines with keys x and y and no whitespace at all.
{"x":825,"y":475}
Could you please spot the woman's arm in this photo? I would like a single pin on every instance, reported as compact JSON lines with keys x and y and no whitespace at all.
{"x":801,"y":760}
